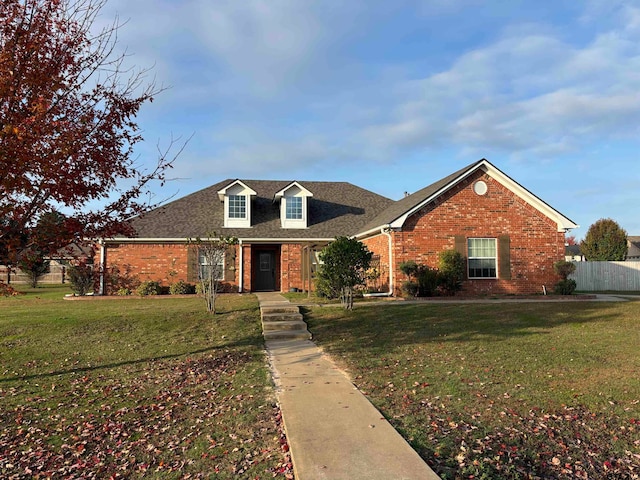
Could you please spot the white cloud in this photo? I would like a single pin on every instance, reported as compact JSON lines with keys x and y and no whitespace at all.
{"x":523,"y":93}
{"x":265,"y":44}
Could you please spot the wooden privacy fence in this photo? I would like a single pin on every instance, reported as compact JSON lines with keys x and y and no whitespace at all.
{"x":600,"y":276}
{"x":57,"y":274}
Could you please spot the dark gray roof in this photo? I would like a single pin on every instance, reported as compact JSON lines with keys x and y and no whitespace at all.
{"x":336,"y":208}
{"x":634,"y":247}
{"x":399,"y":208}
{"x":573,"y":250}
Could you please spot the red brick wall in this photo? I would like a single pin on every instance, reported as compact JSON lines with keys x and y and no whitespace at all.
{"x":379,"y":245}
{"x":151,"y":261}
{"x":290,"y":266}
{"x":535,"y":243}
{"x":246,"y":273}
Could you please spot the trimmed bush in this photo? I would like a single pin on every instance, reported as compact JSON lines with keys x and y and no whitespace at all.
{"x":565,"y":287}
{"x":150,"y":287}
{"x":564,"y":268}
{"x":452,"y":269}
{"x":182,"y":288}
{"x":427,"y":281}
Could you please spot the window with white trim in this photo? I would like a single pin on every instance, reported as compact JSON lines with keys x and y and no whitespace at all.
{"x":483,"y":257}
{"x":237,"y":206}
{"x":205,"y":264}
{"x":294,"y":208}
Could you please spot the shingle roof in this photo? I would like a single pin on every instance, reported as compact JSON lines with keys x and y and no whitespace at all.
{"x":573,"y":250}
{"x":336,"y":208}
{"x":399,"y":208}
{"x":634,"y":247}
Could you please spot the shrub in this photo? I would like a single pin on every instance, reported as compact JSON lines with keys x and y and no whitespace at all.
{"x":564,"y":268}
{"x":410,"y":288}
{"x":565,"y":287}
{"x":324,"y":289}
{"x":427,"y":281}
{"x":409,"y":268}
{"x":149,"y":287}
{"x":423,"y":279}
{"x":81,"y":278}
{"x":452,"y":269}
{"x":120,"y":278}
{"x":182,"y":288}
{"x":123,"y":292}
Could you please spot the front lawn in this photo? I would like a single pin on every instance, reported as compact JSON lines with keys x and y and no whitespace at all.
{"x":500,"y":391}
{"x":132,"y":388}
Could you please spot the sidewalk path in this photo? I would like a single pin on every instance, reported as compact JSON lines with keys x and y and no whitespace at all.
{"x":333,"y":431}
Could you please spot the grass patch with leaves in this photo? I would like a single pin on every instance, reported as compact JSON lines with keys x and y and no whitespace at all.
{"x":135,"y":388}
{"x":500,"y":391}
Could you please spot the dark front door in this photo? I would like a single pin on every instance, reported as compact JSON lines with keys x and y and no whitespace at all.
{"x":265,"y":270}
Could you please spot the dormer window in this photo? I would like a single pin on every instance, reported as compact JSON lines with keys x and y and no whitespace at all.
{"x":293,"y":205}
{"x":293,"y":208}
{"x":237,"y":204}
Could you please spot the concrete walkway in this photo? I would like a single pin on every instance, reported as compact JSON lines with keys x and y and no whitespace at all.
{"x":333,"y":430}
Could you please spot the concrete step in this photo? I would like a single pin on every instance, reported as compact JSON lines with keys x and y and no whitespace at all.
{"x":294,"y":325}
{"x":279,"y":309}
{"x":287,"y":335}
{"x":282,"y":317}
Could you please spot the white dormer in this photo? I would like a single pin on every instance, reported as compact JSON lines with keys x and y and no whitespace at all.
{"x":237,"y":204}
{"x":293,"y":205}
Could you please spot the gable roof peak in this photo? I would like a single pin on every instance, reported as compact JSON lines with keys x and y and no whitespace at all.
{"x":223,"y":192}
{"x":397,"y":214}
{"x":295,"y":183}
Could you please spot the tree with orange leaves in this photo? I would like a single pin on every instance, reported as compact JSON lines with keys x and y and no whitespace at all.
{"x":67,"y":124}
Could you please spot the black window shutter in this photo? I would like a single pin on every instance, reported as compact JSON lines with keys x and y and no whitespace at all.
{"x":504,"y":257}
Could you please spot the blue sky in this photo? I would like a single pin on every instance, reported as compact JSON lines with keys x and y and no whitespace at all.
{"x":394,"y":95}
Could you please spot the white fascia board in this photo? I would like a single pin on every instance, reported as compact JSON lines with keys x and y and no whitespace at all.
{"x":376,"y":231}
{"x":282,"y":192}
{"x":223,"y":192}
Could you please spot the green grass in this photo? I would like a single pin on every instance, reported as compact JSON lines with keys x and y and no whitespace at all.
{"x":527,"y":390}
{"x":153,"y":388}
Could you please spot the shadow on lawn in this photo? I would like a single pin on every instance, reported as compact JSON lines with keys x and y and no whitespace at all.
{"x":396,"y":325}
{"x":254,"y":340}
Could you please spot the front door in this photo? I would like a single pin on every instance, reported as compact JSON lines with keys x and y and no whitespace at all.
{"x":265,"y":270}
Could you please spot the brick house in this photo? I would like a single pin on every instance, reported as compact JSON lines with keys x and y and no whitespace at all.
{"x":509,"y":237}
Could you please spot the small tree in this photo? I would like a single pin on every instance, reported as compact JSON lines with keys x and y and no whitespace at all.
{"x":34,"y":265}
{"x":451,"y":271}
{"x":345,"y":262}
{"x":211,"y":251}
{"x":81,"y":278}
{"x":605,"y":241}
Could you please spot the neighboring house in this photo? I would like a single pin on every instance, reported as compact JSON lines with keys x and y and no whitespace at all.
{"x":633,"y":252}
{"x":572,"y":253}
{"x":509,"y":237}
